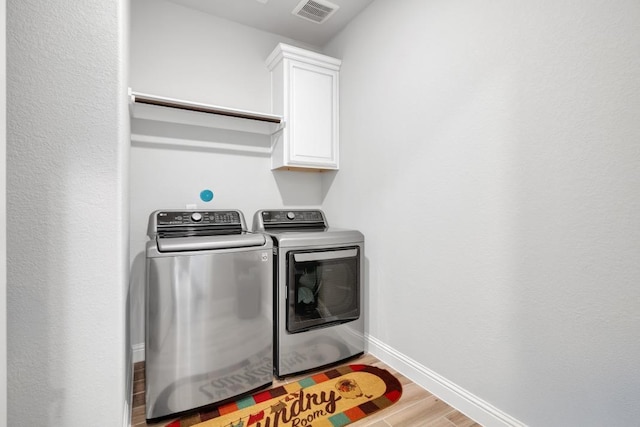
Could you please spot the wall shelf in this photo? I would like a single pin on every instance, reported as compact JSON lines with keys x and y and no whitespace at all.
{"x":159,"y":108}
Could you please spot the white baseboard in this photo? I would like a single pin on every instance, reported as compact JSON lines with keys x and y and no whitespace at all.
{"x":138,"y":352}
{"x":128,"y":397}
{"x":457,"y":397}
{"x":126,"y":422}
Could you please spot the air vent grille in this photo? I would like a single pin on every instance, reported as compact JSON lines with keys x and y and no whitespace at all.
{"x":315,"y":10}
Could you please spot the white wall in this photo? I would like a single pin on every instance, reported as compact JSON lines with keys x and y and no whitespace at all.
{"x":489,"y":153}
{"x":67,"y":234}
{"x":3,"y":216}
{"x":182,"y":53}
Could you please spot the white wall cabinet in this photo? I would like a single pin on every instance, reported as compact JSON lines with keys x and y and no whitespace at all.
{"x":304,"y":90}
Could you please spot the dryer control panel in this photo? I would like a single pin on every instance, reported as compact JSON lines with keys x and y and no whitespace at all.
{"x":290,"y":219}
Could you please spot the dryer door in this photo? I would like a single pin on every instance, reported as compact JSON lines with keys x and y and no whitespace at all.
{"x":323,"y":288}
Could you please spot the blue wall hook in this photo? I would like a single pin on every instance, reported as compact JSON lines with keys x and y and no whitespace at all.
{"x":206,"y":195}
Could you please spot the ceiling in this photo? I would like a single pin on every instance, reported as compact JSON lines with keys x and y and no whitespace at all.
{"x":275,"y":16}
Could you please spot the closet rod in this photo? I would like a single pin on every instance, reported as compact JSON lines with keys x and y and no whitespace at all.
{"x":142,"y":98}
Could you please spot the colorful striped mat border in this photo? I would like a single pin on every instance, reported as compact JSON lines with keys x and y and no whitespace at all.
{"x":333,"y":398}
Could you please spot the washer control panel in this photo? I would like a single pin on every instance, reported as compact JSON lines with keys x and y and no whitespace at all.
{"x":197,"y":217}
{"x":184,"y":223}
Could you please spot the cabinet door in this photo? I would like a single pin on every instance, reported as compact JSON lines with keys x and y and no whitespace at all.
{"x":313,"y":116}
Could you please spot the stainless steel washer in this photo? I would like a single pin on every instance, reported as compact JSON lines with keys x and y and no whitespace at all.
{"x":318,"y":290}
{"x":208,"y":310}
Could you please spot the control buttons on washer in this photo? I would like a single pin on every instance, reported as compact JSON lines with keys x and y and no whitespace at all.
{"x":196,"y":217}
{"x":291,"y":215}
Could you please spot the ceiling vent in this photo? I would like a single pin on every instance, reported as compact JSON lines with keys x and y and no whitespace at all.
{"x":317,"y":11}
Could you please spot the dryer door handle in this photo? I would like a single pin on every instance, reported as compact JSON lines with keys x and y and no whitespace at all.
{"x":325,"y":255}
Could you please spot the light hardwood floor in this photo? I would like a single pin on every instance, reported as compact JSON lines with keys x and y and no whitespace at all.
{"x":416,"y":408}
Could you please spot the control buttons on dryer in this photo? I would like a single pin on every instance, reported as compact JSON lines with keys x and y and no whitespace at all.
{"x":196,"y":217}
{"x":291,"y":215}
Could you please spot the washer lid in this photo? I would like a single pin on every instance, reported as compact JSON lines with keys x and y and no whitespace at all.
{"x":201,"y":243}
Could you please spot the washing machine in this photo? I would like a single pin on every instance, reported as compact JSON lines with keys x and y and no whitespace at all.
{"x":209,"y":334}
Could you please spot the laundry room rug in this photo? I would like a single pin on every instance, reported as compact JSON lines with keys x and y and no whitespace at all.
{"x":333,"y":398}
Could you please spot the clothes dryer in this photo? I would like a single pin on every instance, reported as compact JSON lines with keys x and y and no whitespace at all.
{"x":318,"y":290}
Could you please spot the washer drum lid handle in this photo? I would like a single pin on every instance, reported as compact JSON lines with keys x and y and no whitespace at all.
{"x":201,"y":243}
